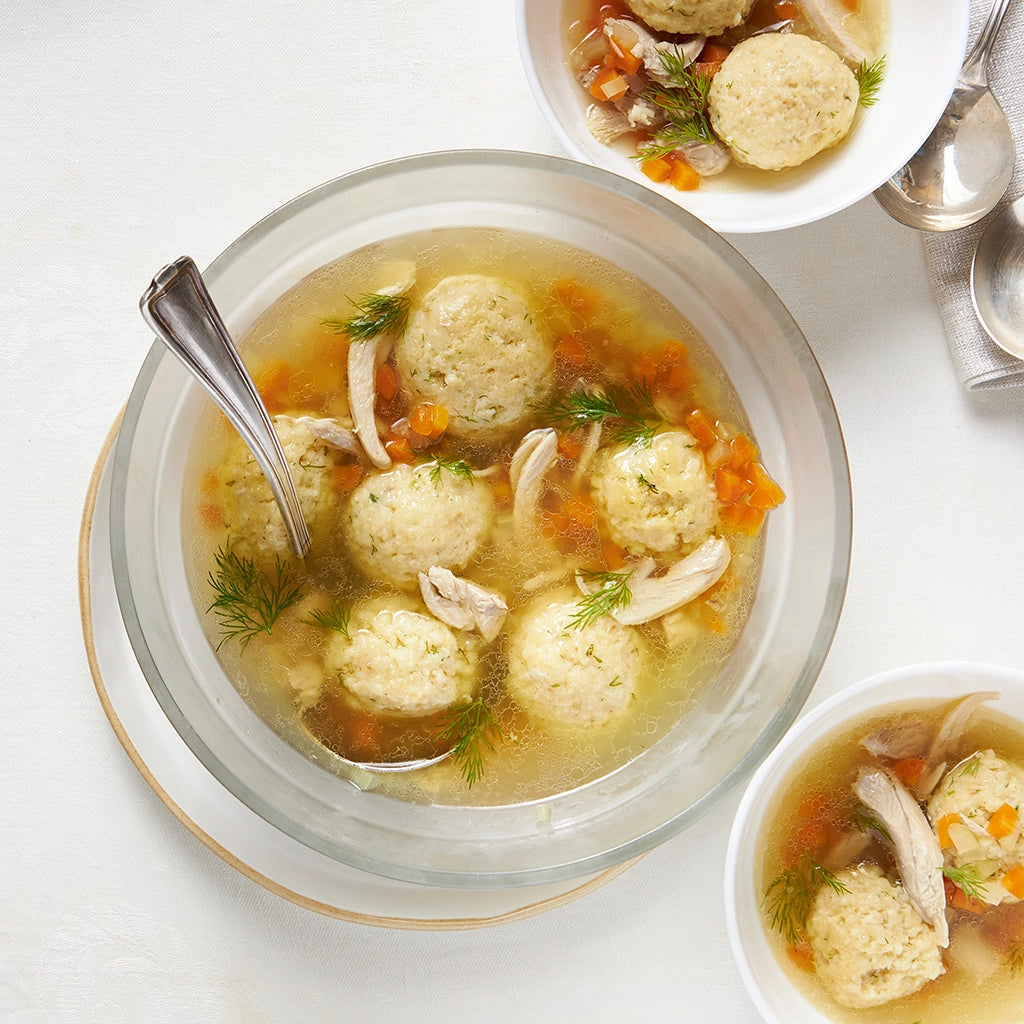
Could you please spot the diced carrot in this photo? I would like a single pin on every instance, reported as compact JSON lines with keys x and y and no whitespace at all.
{"x":682,"y":177}
{"x":1013,"y":882}
{"x":712,"y":619}
{"x":609,"y":84}
{"x":765,"y":493}
{"x":699,"y":423}
{"x":908,"y":770}
{"x":614,"y":556}
{"x":730,"y":485}
{"x":679,"y":378}
{"x":657,"y":168}
{"x":743,"y":451}
{"x":347,"y":475}
{"x":399,"y":449}
{"x":429,"y":419}
{"x":555,"y":525}
{"x":742,"y":518}
{"x":942,"y":829}
{"x":851,"y":5}
{"x":210,"y":482}
{"x":713,"y":53}
{"x":575,"y":297}
{"x":273,"y":384}
{"x":707,"y":67}
{"x":387,"y":381}
{"x":622,"y":57}
{"x":363,"y":733}
{"x":645,"y":370}
{"x":1002,"y":822}
{"x":579,"y":512}
{"x":570,"y":351}
{"x":801,"y":955}
{"x":211,"y":515}
{"x":784,"y":10}
{"x":674,"y":353}
{"x":501,"y":489}
{"x":956,"y":897}
{"x":569,"y":446}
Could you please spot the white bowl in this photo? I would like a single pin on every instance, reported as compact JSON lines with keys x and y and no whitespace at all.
{"x":924,"y":53}
{"x":767,"y":981}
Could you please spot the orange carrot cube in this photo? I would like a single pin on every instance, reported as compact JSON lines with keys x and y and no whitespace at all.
{"x":609,"y":85}
{"x":1013,"y":881}
{"x":657,"y":168}
{"x":1003,"y":822}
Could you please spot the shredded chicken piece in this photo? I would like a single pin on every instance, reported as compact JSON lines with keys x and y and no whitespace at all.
{"x":955,"y":723}
{"x":654,"y":596}
{"x":333,"y":432}
{"x":363,"y":359}
{"x":918,"y":856}
{"x":647,"y":47}
{"x":535,"y":455}
{"x":827,"y":18}
{"x":590,"y":446}
{"x":606,"y":123}
{"x":706,"y":158}
{"x":461,"y":603}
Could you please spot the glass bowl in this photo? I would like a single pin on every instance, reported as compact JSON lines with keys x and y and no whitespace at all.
{"x":766,"y":679}
{"x":775,"y":986}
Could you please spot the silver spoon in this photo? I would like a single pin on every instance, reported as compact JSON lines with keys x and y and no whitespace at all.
{"x":997,"y":279}
{"x":178,"y":307}
{"x":963,"y":168}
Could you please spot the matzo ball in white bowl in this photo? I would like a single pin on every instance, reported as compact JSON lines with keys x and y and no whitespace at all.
{"x":753,"y":116}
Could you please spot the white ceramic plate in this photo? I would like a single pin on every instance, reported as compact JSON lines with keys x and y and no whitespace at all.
{"x":224,"y":824}
{"x":926,"y":46}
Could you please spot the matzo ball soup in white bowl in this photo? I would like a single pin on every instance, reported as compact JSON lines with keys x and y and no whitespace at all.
{"x":555,"y":466}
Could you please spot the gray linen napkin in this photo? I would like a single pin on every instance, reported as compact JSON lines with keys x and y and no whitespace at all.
{"x":979,"y":362}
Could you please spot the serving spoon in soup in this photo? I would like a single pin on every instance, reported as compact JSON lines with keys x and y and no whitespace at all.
{"x":178,"y":307}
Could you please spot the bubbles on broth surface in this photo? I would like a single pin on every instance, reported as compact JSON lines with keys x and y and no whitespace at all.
{"x":299,"y":365}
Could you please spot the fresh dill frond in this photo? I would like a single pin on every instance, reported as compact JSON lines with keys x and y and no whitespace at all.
{"x":248,"y":599}
{"x":684,"y":101}
{"x":1015,"y":958}
{"x":631,"y":410}
{"x":868,"y":823}
{"x":335,"y":618}
{"x":969,"y":767}
{"x":788,"y":897}
{"x":613,"y":592}
{"x":457,"y":467}
{"x":471,"y":731}
{"x":377,"y":314}
{"x":644,"y":482}
{"x":967,"y":880}
{"x":869,"y":80}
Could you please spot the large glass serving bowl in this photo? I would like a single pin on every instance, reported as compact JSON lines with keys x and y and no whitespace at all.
{"x":760,"y":689}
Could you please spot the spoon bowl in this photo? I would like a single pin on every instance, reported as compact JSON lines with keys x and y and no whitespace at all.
{"x":964,"y":167}
{"x":997,"y":279}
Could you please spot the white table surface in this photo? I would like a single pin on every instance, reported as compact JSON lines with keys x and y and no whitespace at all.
{"x":130,"y":134}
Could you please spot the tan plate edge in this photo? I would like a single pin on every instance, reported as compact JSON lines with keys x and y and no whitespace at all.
{"x":412,"y":924}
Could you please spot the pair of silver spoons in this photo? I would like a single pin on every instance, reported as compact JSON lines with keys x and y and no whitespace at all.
{"x":180,"y":310}
{"x":957,"y":177}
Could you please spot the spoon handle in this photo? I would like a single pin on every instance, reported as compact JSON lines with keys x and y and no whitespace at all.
{"x":178,"y":307}
{"x":975,"y":69}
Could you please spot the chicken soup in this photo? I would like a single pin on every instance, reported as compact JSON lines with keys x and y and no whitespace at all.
{"x":535,"y":508}
{"x":892,"y":869}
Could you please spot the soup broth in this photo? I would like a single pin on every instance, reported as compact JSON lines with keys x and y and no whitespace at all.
{"x":609,"y":335}
{"x":818,"y":818}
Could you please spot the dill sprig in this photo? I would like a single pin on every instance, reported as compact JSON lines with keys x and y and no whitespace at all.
{"x":471,"y":731}
{"x":684,"y":101}
{"x":867,"y":823}
{"x":457,"y":467}
{"x":967,"y":880}
{"x":249,"y":599}
{"x":869,"y":79}
{"x":969,"y":767}
{"x":613,"y":592}
{"x":1015,"y":958}
{"x":788,"y":898}
{"x":377,"y":314}
{"x":631,"y":408}
{"x":335,"y":618}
